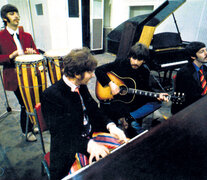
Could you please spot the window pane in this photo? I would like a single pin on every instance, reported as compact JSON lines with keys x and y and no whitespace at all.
{"x":73,"y":8}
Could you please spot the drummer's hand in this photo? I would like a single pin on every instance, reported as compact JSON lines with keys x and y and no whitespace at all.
{"x":114,"y":88}
{"x":30,"y":51}
{"x":13,"y":55}
{"x":96,"y":151}
{"x":163,"y":97}
{"x":116,"y":132}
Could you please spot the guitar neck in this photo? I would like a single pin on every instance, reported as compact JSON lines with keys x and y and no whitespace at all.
{"x":143,"y":93}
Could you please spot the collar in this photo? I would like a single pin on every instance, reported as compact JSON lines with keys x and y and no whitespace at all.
{"x":11,"y":31}
{"x":69,"y":83}
{"x":197,"y":68}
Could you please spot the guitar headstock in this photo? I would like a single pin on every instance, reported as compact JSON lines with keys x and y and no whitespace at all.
{"x":177,"y":98}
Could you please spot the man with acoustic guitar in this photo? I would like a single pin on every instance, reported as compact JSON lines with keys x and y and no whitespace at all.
{"x":131,"y":73}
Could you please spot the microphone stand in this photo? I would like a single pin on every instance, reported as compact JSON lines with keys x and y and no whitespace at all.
{"x":8,"y":108}
{"x":146,"y":66}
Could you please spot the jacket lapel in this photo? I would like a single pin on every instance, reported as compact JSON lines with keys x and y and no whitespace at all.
{"x":8,"y":36}
{"x":205,"y":71}
{"x":21,"y":39}
{"x":10,"y":44}
{"x":66,"y":91}
{"x":194,"y":75}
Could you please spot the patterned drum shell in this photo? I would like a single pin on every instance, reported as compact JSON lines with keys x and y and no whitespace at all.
{"x":32,"y":79}
{"x":55,"y":63}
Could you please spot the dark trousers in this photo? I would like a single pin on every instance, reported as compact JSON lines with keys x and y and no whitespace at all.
{"x":23,"y":115}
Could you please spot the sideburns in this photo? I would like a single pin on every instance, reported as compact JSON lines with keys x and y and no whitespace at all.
{"x":82,"y":76}
{"x":7,"y":19}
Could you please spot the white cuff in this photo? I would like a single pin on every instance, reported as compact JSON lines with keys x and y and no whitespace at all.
{"x":90,"y":143}
{"x":109,"y":124}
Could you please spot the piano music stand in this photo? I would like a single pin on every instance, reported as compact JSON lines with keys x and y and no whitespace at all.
{"x":8,"y":108}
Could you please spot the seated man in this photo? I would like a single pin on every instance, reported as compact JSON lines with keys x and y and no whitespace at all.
{"x":135,"y":75}
{"x":191,"y":79}
{"x":72,"y":115}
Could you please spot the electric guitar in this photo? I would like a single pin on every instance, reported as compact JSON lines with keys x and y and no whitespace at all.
{"x":128,"y":91}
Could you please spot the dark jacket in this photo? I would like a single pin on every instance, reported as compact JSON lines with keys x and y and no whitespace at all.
{"x":63,"y":113}
{"x":7,"y":46}
{"x":187,"y":82}
{"x":123,"y":69}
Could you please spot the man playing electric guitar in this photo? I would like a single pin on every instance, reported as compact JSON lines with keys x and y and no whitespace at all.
{"x":140,"y":106}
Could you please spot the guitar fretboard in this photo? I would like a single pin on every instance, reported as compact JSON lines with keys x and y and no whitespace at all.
{"x":143,"y":93}
{"x":104,"y":93}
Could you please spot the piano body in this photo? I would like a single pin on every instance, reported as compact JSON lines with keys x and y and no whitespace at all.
{"x":166,"y":49}
{"x":173,"y":150}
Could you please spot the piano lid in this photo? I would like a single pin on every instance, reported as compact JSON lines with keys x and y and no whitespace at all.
{"x":144,"y":24}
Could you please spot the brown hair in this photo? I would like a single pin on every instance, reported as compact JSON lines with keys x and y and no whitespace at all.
{"x":78,"y":61}
{"x":139,"y":51}
{"x":192,"y":48}
{"x":5,"y":9}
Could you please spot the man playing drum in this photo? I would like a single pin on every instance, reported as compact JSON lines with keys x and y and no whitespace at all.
{"x":15,"y":42}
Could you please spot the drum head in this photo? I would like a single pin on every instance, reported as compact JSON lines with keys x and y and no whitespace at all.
{"x":55,"y":53}
{"x":29,"y":58}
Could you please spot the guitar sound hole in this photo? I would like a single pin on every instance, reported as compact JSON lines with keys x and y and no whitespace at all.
{"x":123,"y":90}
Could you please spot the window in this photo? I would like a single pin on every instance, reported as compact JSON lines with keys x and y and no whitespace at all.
{"x":140,"y":10}
{"x":73,"y":8}
{"x":39,"y":9}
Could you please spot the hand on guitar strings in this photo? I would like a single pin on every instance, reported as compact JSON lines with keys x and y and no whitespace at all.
{"x":96,"y":151}
{"x":163,"y":97}
{"x":114,"y":88}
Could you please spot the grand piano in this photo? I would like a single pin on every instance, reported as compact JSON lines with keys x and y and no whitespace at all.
{"x":173,"y":150}
{"x":166,"y":49}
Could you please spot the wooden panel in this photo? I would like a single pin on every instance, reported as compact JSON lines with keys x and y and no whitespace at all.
{"x":147,"y":34}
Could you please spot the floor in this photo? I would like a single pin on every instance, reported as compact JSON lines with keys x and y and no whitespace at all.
{"x":20,"y":160}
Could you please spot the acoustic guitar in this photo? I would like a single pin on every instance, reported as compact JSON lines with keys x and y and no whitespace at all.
{"x":128,"y":91}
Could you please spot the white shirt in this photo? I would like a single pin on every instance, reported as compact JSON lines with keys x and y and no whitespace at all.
{"x":69,"y":83}
{"x":16,"y":40}
{"x":85,"y":118}
{"x":73,"y":87}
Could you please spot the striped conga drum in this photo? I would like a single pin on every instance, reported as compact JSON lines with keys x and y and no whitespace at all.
{"x":55,"y":63}
{"x":32,"y":79}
